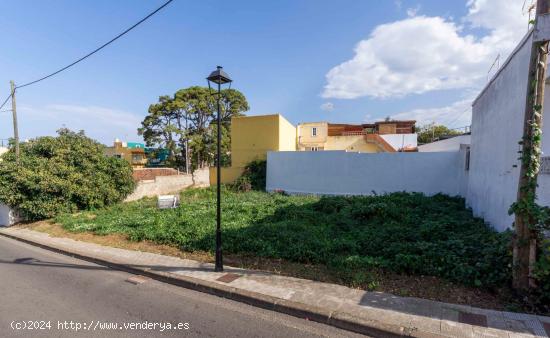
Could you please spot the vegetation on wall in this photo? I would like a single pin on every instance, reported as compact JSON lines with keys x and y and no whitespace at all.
{"x":532,"y":272}
{"x":188,"y":118}
{"x":253,"y":177}
{"x":62,"y":174}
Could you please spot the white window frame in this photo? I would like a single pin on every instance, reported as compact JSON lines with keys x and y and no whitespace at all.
{"x":313,"y":131}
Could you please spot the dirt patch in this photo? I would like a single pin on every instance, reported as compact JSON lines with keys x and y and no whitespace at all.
{"x":117,"y":241}
{"x":426,"y":287}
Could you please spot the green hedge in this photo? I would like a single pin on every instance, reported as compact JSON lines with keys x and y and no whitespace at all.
{"x":62,"y":174}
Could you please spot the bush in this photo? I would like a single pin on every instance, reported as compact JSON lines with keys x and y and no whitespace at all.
{"x":62,"y":174}
{"x":253,"y":177}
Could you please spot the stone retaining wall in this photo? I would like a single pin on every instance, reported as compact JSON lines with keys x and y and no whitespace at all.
{"x":162,"y":185}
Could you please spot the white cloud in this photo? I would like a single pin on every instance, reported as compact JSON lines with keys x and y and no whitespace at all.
{"x":327,"y":106}
{"x":421,"y":54}
{"x":411,"y":12}
{"x":458,"y":114}
{"x":101,"y":123}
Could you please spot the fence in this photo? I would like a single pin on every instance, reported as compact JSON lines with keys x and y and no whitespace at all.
{"x":349,"y":173}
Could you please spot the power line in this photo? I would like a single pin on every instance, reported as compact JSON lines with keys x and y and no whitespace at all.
{"x":6,"y":100}
{"x":94,"y":51}
{"x":458,"y":117}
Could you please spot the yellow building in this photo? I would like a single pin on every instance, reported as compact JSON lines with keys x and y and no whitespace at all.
{"x":251,"y":138}
{"x":131,"y":152}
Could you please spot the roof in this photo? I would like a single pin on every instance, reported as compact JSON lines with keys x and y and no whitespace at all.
{"x":335,"y":129}
{"x":134,"y":145}
{"x":396,"y":121}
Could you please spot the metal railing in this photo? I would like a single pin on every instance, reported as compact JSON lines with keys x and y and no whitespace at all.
{"x":354,"y":133}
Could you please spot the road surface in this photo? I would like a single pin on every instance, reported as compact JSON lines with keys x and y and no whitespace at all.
{"x":45,"y":294}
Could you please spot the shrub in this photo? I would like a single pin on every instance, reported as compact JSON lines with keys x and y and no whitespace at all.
{"x":62,"y":174}
{"x":253,"y":177}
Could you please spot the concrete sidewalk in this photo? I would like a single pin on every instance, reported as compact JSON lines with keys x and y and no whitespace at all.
{"x":373,"y":313}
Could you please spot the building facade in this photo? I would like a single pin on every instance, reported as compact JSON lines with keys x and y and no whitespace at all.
{"x":384,"y":136}
{"x":132,"y":152}
{"x":251,"y":138}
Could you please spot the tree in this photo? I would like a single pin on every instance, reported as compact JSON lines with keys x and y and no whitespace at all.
{"x":158,"y":127}
{"x":185,"y":124}
{"x":431,"y":132}
{"x":62,"y":174}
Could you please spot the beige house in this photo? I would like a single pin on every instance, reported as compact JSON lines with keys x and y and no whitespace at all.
{"x":384,"y":136}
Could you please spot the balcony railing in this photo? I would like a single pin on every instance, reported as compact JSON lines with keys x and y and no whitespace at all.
{"x":355,"y":133}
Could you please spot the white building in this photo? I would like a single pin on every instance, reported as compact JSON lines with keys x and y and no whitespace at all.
{"x":452,"y":143}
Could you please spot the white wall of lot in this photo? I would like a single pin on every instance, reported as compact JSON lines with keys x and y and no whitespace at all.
{"x":163,"y":185}
{"x":8,"y":216}
{"x":497,"y":127}
{"x":349,"y":173}
{"x":450,"y":144}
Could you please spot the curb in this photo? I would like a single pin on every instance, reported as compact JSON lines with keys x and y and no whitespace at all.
{"x":340,"y":320}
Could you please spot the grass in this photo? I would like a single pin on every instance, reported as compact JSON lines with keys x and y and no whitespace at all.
{"x":400,"y":233}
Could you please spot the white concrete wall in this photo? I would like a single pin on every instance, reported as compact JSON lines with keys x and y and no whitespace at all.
{"x":399,"y":141}
{"x":8,"y":216}
{"x":497,"y":123}
{"x":3,"y":150}
{"x":450,"y":144}
{"x":163,"y":185}
{"x":347,"y":173}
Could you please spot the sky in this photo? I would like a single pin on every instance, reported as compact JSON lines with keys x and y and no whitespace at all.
{"x":341,"y":61}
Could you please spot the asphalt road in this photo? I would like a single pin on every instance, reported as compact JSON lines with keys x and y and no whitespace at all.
{"x":45,"y":294}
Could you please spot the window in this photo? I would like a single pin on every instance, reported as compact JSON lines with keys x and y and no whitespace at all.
{"x":467,"y":162}
{"x":314,"y":131}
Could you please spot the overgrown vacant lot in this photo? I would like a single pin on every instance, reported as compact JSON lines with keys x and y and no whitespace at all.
{"x":353,"y":238}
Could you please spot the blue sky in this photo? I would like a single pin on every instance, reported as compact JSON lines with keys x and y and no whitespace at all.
{"x":310,"y":60}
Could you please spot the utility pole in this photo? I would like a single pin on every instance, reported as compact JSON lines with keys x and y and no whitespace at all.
{"x":525,"y":238}
{"x":14,"y":114}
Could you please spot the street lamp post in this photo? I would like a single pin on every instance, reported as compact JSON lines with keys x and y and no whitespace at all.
{"x":219,"y":77}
